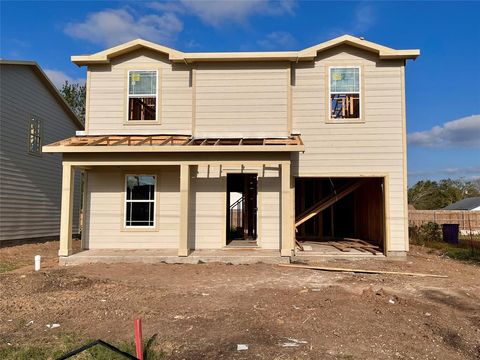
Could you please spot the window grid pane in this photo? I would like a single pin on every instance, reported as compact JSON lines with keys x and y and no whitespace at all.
{"x":142,"y":83}
{"x":34,"y":136}
{"x":344,"y":80}
{"x":140,"y":201}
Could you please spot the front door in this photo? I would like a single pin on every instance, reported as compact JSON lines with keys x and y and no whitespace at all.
{"x":241,"y":207}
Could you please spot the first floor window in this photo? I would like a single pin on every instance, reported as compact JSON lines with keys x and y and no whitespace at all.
{"x":34,"y":136}
{"x":140,"y":200}
{"x":344,"y":92}
{"x":142,"y":95}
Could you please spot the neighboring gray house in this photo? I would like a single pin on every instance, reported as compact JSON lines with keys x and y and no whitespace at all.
{"x":32,"y":113}
{"x":469,"y":204}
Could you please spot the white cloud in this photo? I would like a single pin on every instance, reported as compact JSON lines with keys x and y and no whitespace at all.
{"x":219,"y":12}
{"x":461,"y":133}
{"x":278,"y":40}
{"x":58,"y":78}
{"x":114,"y":26}
{"x":364,"y":19}
{"x":358,"y":22}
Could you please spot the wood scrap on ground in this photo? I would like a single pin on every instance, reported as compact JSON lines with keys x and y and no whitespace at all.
{"x":347,"y":244}
{"x":362,"y":271}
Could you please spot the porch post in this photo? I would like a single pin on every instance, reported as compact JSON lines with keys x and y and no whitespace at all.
{"x":66,"y":213}
{"x":183,"y":249}
{"x":286,"y":216}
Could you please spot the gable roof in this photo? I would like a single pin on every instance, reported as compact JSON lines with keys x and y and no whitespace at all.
{"x":465,"y":204}
{"x":103,"y":57}
{"x":49,"y":85}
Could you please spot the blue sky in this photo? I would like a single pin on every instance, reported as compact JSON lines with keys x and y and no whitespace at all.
{"x":443,"y":84}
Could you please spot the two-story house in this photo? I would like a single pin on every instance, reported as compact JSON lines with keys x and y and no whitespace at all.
{"x":195,"y":151}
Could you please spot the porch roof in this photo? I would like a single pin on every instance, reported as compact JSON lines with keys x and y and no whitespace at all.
{"x":173,"y":143}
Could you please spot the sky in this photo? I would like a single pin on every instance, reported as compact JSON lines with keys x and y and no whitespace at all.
{"x":442,"y":85}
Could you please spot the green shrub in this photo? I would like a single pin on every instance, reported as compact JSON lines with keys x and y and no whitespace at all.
{"x":425,"y":233}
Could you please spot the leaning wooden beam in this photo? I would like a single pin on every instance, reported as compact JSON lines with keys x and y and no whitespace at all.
{"x":326,"y":203}
{"x":362,"y":271}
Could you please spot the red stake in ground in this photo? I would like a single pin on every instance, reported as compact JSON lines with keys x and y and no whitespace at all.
{"x":138,"y":338}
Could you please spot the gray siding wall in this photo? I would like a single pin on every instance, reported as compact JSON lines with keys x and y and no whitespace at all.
{"x":30,"y":185}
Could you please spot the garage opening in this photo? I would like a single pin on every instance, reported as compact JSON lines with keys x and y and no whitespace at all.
{"x":340,"y":214}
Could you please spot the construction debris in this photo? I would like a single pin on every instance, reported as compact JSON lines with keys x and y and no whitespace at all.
{"x":344,"y":245}
{"x":292,"y":343}
{"x":362,"y":271}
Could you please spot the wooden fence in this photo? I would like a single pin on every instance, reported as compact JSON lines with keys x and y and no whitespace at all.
{"x":466,"y":219}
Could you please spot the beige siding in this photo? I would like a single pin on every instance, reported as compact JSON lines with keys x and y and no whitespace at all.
{"x":30,"y":185}
{"x":105,"y":217}
{"x":107,"y":92}
{"x":238,"y":100}
{"x":207,"y":215}
{"x":373,"y":147}
{"x":269,"y":223}
{"x":251,"y":99}
{"x":208,"y":207}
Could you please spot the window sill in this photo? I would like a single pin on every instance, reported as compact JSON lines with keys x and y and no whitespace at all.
{"x":139,"y":229}
{"x":345,"y":121}
{"x":141,"y":122}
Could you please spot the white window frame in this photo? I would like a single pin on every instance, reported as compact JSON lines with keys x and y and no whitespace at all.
{"x":330,"y":92}
{"x":126,"y":201}
{"x":137,"y":121}
{"x":38,"y":135}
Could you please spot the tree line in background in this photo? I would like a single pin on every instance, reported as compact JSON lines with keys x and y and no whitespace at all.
{"x":75,"y":95}
{"x":433,"y":195}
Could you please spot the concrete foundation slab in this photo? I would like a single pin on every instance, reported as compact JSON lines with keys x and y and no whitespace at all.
{"x":170,"y":256}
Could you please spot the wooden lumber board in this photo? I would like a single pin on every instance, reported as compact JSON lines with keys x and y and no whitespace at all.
{"x":324,"y":268}
{"x":300,"y":246}
{"x":326,"y":203}
{"x":341,"y":248}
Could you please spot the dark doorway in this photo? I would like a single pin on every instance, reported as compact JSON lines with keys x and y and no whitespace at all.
{"x":241,"y":207}
{"x":359,"y":215}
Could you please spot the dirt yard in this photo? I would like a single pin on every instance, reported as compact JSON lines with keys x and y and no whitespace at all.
{"x":203,"y":311}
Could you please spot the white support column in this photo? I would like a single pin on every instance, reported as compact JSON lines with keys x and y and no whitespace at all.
{"x":183,"y":249}
{"x":287,"y":240}
{"x":66,"y":211}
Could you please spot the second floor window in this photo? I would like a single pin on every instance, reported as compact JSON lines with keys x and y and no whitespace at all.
{"x":35,"y":136}
{"x":142,"y":95}
{"x":344,"y":93}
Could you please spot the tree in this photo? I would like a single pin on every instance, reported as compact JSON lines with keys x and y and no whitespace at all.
{"x":431,"y":195}
{"x":74,"y":95}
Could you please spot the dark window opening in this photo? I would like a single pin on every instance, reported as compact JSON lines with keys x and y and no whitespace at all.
{"x":142,"y":108}
{"x":345,"y":106}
